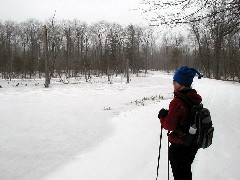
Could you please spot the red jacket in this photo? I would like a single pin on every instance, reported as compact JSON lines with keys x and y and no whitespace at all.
{"x":177,"y":114}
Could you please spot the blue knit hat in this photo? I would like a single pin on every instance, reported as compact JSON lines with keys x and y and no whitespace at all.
{"x":185,"y":75}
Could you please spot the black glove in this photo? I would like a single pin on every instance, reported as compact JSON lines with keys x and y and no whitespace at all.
{"x":162,"y":113}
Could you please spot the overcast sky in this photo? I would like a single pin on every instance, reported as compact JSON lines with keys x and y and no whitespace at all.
{"x":86,"y":10}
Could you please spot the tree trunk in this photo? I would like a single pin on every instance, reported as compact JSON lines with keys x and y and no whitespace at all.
{"x":47,"y":79}
{"x":127,"y":70}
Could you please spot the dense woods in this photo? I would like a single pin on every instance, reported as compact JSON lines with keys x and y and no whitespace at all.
{"x":33,"y":48}
{"x":73,"y":47}
{"x":214,"y":28}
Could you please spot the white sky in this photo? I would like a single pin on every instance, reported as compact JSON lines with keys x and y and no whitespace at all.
{"x":85,"y":10}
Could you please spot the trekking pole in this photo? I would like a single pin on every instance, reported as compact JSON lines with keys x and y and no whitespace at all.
{"x":160,"y":144}
{"x":168,"y":154}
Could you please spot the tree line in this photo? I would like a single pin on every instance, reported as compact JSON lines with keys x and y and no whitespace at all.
{"x":214,"y":27}
{"x":32,"y":48}
{"x":73,"y":47}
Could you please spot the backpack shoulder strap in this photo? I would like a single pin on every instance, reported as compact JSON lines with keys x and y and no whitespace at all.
{"x":194,"y":109}
{"x":190,"y":105}
{"x":185,"y":100}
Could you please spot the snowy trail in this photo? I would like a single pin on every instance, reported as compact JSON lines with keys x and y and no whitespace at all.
{"x":128,"y":154}
{"x":44,"y":129}
{"x":75,"y":143}
{"x":222,"y":160}
{"x":131,"y":153}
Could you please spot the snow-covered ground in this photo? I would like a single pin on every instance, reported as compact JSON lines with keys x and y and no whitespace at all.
{"x":88,"y":131}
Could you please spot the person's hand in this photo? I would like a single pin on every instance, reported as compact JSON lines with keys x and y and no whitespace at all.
{"x":162,"y":113}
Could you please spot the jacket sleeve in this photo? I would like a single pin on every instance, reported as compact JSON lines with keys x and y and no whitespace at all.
{"x":175,"y":114}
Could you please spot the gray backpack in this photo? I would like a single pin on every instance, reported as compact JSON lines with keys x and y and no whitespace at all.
{"x":200,"y":120}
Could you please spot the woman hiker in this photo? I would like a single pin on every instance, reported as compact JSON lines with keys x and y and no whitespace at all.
{"x":181,"y":155}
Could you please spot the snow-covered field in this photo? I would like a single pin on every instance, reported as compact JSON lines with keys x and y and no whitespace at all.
{"x":89,"y":131}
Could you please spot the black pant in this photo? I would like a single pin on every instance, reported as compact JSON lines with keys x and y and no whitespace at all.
{"x":181,"y":158}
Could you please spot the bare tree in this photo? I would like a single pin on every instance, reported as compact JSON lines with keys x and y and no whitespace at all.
{"x":172,"y":12}
{"x":101,"y":31}
{"x":80,"y":33}
{"x":47,"y":79}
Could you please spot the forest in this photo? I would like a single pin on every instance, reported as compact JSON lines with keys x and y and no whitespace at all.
{"x":52,"y":48}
